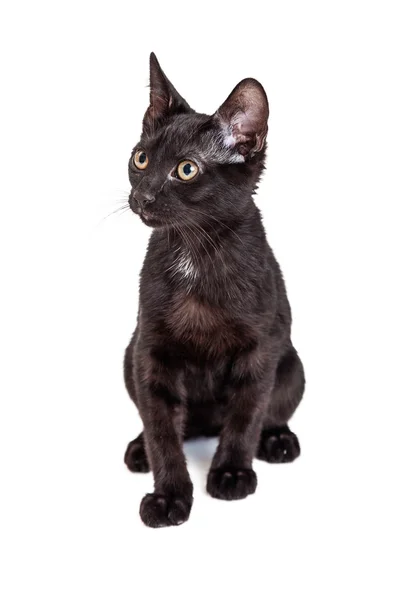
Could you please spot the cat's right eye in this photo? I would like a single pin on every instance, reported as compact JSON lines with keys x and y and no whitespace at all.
{"x":140,"y":159}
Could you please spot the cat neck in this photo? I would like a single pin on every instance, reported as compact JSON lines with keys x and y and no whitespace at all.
{"x":211,"y":250}
{"x":202,"y":240}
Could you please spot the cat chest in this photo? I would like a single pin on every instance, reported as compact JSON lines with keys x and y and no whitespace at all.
{"x":187,"y":314}
{"x":197,"y":322}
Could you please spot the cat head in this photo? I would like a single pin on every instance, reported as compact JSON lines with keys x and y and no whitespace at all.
{"x":189,"y":167}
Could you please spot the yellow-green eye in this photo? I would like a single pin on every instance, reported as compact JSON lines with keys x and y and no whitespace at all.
{"x":140,"y":159}
{"x":186,"y":170}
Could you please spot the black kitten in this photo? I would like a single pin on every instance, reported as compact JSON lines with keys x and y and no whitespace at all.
{"x":211,"y":354}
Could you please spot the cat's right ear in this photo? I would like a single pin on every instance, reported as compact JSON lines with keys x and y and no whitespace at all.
{"x":164,"y":99}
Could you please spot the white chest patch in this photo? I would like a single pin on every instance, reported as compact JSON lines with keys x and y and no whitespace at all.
{"x":183,"y":266}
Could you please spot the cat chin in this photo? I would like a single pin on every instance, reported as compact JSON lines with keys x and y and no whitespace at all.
{"x":152,"y":221}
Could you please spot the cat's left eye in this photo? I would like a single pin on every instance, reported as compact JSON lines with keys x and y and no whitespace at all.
{"x":140,"y":160}
{"x":186,"y":170}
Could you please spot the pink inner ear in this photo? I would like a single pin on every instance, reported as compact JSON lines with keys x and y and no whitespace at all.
{"x":243,"y":124}
{"x":241,"y":129}
{"x":244,"y":116}
{"x":230,"y":140}
{"x":158,"y":106}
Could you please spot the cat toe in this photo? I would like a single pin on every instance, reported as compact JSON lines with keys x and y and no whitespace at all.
{"x":159,"y":510}
{"x":135,"y":457}
{"x":231,"y":484}
{"x":278,"y":446}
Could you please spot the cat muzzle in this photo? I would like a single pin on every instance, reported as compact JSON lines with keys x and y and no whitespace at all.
{"x":143,"y":199}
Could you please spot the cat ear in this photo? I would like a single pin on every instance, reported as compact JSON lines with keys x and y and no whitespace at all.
{"x":243,"y":118}
{"x":164,"y":99}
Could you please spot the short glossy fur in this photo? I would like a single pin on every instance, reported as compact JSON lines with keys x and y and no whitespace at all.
{"x":211,"y":354}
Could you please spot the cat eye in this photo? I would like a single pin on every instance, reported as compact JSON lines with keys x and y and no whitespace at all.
{"x":187,"y":170}
{"x":140,"y":160}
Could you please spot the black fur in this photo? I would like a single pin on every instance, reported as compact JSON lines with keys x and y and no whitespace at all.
{"x":211,"y":354}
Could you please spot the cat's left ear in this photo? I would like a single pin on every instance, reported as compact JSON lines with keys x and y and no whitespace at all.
{"x":243,"y":118}
{"x":164,"y":99}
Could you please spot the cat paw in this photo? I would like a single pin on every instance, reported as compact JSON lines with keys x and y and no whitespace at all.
{"x":159,"y":510}
{"x":135,"y":456}
{"x":231,"y":484}
{"x":279,"y":445}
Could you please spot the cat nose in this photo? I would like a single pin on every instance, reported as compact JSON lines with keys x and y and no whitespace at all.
{"x":143,"y":198}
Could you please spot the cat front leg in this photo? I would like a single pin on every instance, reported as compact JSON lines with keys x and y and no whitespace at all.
{"x":231,"y":476}
{"x":161,"y":406}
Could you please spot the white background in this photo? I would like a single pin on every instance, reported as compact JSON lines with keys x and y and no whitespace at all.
{"x":73,"y":79}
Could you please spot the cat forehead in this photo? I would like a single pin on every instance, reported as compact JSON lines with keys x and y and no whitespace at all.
{"x":193,"y":135}
{"x":177,"y":132}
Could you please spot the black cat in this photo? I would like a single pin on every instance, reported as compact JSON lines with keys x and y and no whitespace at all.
{"x":211,"y":354}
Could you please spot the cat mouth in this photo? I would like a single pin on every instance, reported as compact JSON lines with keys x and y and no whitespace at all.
{"x":150,"y":219}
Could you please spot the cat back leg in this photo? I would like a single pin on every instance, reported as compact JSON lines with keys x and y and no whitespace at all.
{"x":278,"y":444}
{"x":136,"y":457}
